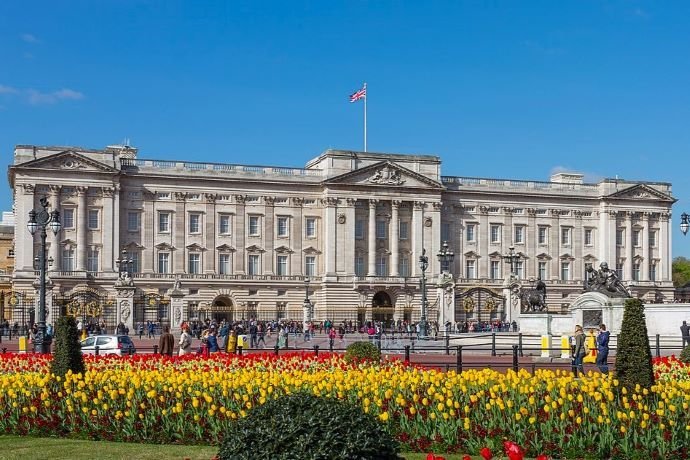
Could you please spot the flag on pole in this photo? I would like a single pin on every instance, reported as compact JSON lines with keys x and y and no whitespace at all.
{"x":359,"y":94}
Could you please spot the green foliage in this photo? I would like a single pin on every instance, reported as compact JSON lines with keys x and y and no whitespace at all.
{"x":362,"y":351}
{"x":681,"y":271}
{"x":307,"y":427}
{"x":633,"y":356}
{"x":67,"y":354}
{"x":685,"y":355}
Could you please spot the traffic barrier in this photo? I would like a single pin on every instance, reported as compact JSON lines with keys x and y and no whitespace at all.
{"x":545,"y":346}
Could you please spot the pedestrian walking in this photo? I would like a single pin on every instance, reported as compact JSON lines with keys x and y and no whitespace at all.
{"x":166,"y":343}
{"x":603,"y":349}
{"x":579,"y":353}
{"x":685,"y":333}
{"x":185,"y":343}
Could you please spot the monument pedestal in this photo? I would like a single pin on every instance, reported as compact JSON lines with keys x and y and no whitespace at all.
{"x":535,"y":323}
{"x":125,"y":307}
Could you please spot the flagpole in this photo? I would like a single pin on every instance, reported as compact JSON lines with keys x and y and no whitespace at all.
{"x":365,"y":118}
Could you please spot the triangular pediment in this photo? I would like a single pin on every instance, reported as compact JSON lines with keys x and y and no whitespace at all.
{"x":642,"y":192}
{"x":311,"y":250}
{"x":385,"y":174}
{"x":566,"y":257}
{"x":543,"y":256}
{"x":225,"y":248}
{"x":471,"y":255}
{"x":589,"y":258}
{"x":495,"y":255}
{"x":68,"y":160}
{"x":283,"y":250}
{"x":132,"y":245}
{"x":255,"y":248}
{"x":195,"y":247}
{"x":164,"y":247}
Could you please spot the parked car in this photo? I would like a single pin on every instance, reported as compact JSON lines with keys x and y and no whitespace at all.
{"x":119,"y":345}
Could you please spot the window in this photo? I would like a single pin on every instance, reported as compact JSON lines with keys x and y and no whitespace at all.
{"x":224,"y":224}
{"x":359,"y":265}
{"x":310,"y":266}
{"x":133,"y":221}
{"x":194,"y":265}
{"x":224,"y":264}
{"x":652,"y":238}
{"x":520,"y":269}
{"x":310,"y":227}
{"x":445,"y":231}
{"x":163,"y":262}
{"x":194,"y":223}
{"x":164,"y":223}
{"x":68,"y":218}
{"x":636,"y":240}
{"x":404,"y":266}
{"x":68,"y":260}
{"x":565,"y":271}
{"x":282,"y":226}
{"x":470,"y":272}
{"x":134,"y":255}
{"x":589,"y":234}
{"x":620,"y":236}
{"x":495,"y":269}
{"x":404,"y":230}
{"x":619,"y":270}
{"x":543,"y":235}
{"x":281,"y":265}
{"x":359,"y":229}
{"x":253,"y":264}
{"x":652,"y":271}
{"x":381,"y":265}
{"x":92,"y":260}
{"x":542,"y":270}
{"x":565,"y":236}
{"x":253,"y":225}
{"x":636,"y":272}
{"x":495,"y":233}
{"x":469,"y":233}
{"x":93,"y":219}
{"x":380,"y":229}
{"x":519,"y":234}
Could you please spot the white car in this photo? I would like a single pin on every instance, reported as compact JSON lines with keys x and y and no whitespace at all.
{"x":119,"y":345}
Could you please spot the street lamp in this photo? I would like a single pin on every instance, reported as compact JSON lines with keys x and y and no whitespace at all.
{"x":125,"y":264}
{"x":512,"y":258}
{"x":423,"y":265}
{"x":40,"y":220}
{"x":684,"y":223}
{"x":445,"y":257}
{"x":307,"y":306}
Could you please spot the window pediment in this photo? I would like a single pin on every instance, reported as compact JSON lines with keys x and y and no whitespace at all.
{"x":544,"y":256}
{"x":164,"y":247}
{"x":472,"y":255}
{"x":225,"y":248}
{"x":311,"y":250}
{"x":283,"y":250}
{"x":195,"y":247}
{"x":255,"y":248}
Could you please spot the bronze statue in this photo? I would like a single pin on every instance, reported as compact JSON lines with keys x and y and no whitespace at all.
{"x":533,"y":300}
{"x":604,"y":281}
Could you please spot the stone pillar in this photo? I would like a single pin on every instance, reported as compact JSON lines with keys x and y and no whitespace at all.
{"x":209,"y":234}
{"x":645,"y":247}
{"x":297,"y":262}
{"x":269,"y":235}
{"x":417,"y":236}
{"x":629,"y":250}
{"x":239,"y":233}
{"x":178,"y":231}
{"x":532,"y":234}
{"x":483,"y":235}
{"x":117,"y":228}
{"x":24,"y":241}
{"x":664,"y":248}
{"x":345,"y":263}
{"x":82,"y":228}
{"x":108,"y":228}
{"x":555,"y":245}
{"x":435,"y":239}
{"x":178,"y":314}
{"x":602,"y":239}
{"x":125,"y":307}
{"x":612,"y":257}
{"x":330,"y":235}
{"x":446,"y":294}
{"x":54,"y":239}
{"x":394,"y":237}
{"x":371,"y":249}
{"x":577,"y":268}
{"x":149,"y":228}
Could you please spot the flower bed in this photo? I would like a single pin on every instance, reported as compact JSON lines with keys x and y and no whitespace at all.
{"x":191,"y":399}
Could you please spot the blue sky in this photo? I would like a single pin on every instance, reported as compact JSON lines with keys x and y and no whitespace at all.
{"x":497,"y":89}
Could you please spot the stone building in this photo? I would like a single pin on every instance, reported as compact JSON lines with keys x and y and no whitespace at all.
{"x":242,"y":240}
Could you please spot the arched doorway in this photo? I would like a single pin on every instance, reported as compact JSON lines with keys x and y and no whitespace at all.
{"x":382,"y":307}
{"x":221,"y":308}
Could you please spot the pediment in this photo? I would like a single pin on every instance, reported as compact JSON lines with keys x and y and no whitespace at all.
{"x":566,"y":256}
{"x":543,"y":256}
{"x":472,"y":255}
{"x":495,"y":255}
{"x":68,"y":243}
{"x":164,"y":247}
{"x":283,"y":250}
{"x":642,"y":192}
{"x":255,"y":248}
{"x":385,"y":174}
{"x":69,"y":160}
{"x":225,"y":248}
{"x":132,"y":245}
{"x":195,"y":247}
{"x":589,"y":258}
{"x":311,"y":250}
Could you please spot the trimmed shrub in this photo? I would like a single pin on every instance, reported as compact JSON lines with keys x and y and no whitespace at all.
{"x":67,"y":356}
{"x":362,"y":351}
{"x":307,"y":427}
{"x":633,"y":356}
{"x":685,"y":355}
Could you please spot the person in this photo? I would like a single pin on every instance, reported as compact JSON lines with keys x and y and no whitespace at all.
{"x":212,"y":341}
{"x":685,"y":333}
{"x":331,"y":337}
{"x":166,"y":343}
{"x":579,"y":353}
{"x":603,"y":349}
{"x":185,"y":341}
{"x":140,"y":329}
{"x":151,"y":334}
{"x":260,"y":332}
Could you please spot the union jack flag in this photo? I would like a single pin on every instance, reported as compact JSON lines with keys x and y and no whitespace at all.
{"x":359,"y":94}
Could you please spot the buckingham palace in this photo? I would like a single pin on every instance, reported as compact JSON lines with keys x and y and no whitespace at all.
{"x":346,"y":232}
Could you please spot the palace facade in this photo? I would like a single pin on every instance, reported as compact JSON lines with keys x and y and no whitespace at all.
{"x":242,"y":240}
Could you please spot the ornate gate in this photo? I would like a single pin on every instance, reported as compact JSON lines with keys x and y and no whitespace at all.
{"x":151,"y":307}
{"x":478,"y":304}
{"x":95,"y":309}
{"x":21,"y":312}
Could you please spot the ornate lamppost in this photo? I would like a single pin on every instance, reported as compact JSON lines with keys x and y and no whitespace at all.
{"x":684,"y":223}
{"x":307,"y":307}
{"x":40,"y":220}
{"x":125,"y":264}
{"x":445,"y":257}
{"x":423,"y":265}
{"x":512,"y":258}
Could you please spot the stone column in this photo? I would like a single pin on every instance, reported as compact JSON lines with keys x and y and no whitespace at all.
{"x":24,"y":247}
{"x":54,"y":251}
{"x":240,"y":230}
{"x":602,"y":239}
{"x":82,"y":228}
{"x":645,"y":247}
{"x":394,"y":237}
{"x":209,"y":235}
{"x":555,"y":245}
{"x":532,"y":234}
{"x":435,"y":239}
{"x":612,"y":257}
{"x":178,"y":314}
{"x":125,"y":306}
{"x":269,"y":235}
{"x":178,"y":230}
{"x":108,"y":228}
{"x":297,"y":262}
{"x":446,"y":295}
{"x":577,"y":269}
{"x":149,"y":228}
{"x":330,"y":235}
{"x":483,"y":235}
{"x":371,"y":249}
{"x":629,"y":250}
{"x":417,"y":236}
{"x":117,"y":228}
{"x":665,"y":247}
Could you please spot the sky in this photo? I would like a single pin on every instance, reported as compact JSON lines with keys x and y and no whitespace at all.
{"x":499,"y":89}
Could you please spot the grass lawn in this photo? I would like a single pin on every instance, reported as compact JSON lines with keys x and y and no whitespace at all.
{"x":21,"y":448}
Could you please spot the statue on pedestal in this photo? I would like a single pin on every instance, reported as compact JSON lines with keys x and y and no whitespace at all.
{"x":604,"y":281}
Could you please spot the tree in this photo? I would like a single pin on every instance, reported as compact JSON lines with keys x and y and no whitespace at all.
{"x":67,"y":356}
{"x":633,"y":356}
{"x":681,"y":271}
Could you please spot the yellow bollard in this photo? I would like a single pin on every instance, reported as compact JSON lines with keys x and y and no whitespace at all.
{"x":83,"y":334}
{"x":565,"y":347}
{"x":591,"y":357}
{"x":22,"y":344}
{"x":545,"y":346}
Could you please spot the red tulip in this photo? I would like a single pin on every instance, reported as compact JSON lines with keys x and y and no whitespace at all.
{"x":466,"y":457}
{"x":542,"y":457}
{"x":486,"y":453}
